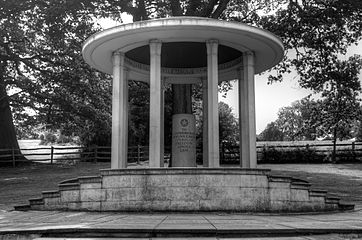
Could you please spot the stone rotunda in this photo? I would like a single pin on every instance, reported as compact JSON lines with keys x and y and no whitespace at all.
{"x":184,"y":51}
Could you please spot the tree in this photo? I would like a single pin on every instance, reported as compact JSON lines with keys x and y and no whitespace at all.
{"x":314,"y":32}
{"x":340,"y":106}
{"x":42,"y":69}
{"x":228,"y":125}
{"x":298,"y":121}
{"x":271,"y":133}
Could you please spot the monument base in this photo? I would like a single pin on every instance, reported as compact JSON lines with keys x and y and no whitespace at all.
{"x":186,"y":190}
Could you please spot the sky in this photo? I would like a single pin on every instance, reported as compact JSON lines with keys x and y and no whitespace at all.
{"x":269,"y":98}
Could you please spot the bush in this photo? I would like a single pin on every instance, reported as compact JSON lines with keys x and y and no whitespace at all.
{"x":47,"y":138}
{"x":296,"y":155}
{"x":64,"y":139}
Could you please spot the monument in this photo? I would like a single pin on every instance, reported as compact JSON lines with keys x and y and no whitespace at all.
{"x":185,"y":50}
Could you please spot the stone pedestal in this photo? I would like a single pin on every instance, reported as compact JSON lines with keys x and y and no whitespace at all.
{"x":183,"y":140}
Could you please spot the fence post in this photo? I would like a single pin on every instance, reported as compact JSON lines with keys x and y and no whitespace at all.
{"x":138,"y":154}
{"x":96,"y":153}
{"x":353,"y":146}
{"x":51,"y":154}
{"x":13,"y":155}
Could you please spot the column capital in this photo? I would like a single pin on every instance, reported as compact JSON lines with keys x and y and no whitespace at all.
{"x":212,"y":41}
{"x":155,"y":46}
{"x":212,"y":46}
{"x":248,"y":58}
{"x":117,"y":58}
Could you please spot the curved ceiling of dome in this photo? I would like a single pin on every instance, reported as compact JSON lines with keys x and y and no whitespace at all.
{"x":183,"y":54}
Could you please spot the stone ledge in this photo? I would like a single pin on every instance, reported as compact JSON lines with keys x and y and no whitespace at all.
{"x":36,"y":201}
{"x":69,"y":186}
{"x":184,"y":171}
{"x":71,"y":180}
{"x":51,"y":194}
{"x":90,"y":179}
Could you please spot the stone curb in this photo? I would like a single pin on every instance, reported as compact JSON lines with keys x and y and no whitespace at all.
{"x":173,"y":233}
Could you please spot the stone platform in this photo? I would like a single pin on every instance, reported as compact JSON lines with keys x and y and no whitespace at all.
{"x":186,"y":190}
{"x":59,"y":225}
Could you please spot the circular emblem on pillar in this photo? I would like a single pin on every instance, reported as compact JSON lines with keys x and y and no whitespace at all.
{"x":184,"y":122}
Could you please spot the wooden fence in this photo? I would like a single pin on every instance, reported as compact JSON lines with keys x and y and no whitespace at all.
{"x":231,"y":153}
{"x":137,"y":154}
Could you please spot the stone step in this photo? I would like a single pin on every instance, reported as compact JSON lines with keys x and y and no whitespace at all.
{"x":69,"y":186}
{"x":276,"y":178}
{"x":90,"y":179}
{"x":36,"y":201}
{"x":317,"y":193}
{"x":22,"y":208}
{"x":345,"y":206}
{"x":50,"y":194}
{"x":298,"y":180}
{"x":332,"y":200}
{"x":72,"y":180}
{"x":300,"y":185}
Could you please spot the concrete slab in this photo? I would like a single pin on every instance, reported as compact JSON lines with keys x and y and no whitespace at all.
{"x":31,"y":224}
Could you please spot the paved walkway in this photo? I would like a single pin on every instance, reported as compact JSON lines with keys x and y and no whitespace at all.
{"x":34,"y":224}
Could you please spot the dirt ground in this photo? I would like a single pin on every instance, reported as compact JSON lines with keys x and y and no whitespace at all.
{"x":19,"y":184}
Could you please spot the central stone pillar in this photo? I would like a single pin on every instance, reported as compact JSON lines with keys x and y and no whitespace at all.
{"x":183,"y":127}
{"x":212,"y":104}
{"x":156,"y":104}
{"x":183,"y":140}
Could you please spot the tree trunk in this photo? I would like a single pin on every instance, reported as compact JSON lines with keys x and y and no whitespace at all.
{"x":8,"y":138}
{"x":182,"y":101}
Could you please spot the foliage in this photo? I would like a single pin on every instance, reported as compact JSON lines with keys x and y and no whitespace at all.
{"x":51,"y":137}
{"x":298,"y":155}
{"x":302,"y":155}
{"x":314,"y":32}
{"x":340,"y":105}
{"x":138,"y":114}
{"x":228,"y":125}
{"x":41,"y":68}
{"x":298,"y":122}
{"x":271,"y":133}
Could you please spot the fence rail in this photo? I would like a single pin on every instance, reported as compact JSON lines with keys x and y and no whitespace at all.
{"x":138,"y":154}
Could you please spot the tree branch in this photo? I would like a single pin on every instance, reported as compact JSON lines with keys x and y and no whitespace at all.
{"x":220,"y":8}
{"x":176,"y":8}
{"x":209,"y":8}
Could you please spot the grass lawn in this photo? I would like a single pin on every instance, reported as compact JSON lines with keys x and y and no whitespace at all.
{"x":17,"y":185}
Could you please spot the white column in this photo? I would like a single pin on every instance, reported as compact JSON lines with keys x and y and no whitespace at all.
{"x":155,"y":141}
{"x":162,"y":142}
{"x":205,"y":150}
{"x":247,"y":112}
{"x":119,"y":113}
{"x":212,"y":102}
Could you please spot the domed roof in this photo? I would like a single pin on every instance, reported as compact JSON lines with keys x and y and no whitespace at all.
{"x":183,"y":43}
